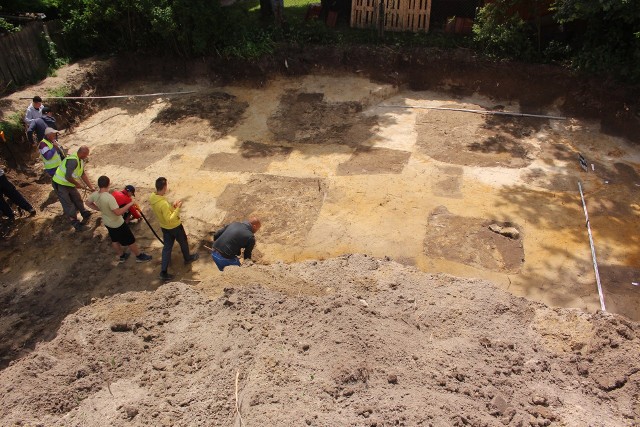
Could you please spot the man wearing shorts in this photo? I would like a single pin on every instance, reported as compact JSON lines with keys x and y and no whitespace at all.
{"x":119,"y":231}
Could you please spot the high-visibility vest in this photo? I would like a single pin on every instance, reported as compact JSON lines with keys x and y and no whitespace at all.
{"x":55,"y":160}
{"x":60,"y":176}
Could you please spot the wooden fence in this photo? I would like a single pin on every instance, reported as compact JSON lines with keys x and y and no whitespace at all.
{"x":399,"y":15}
{"x":22,"y":59}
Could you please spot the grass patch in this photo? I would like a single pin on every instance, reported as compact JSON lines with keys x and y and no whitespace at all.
{"x":13,"y":127}
{"x":59,"y":91}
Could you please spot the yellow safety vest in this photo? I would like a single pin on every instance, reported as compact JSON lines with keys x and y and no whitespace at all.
{"x":54,"y":161}
{"x":61,"y":173}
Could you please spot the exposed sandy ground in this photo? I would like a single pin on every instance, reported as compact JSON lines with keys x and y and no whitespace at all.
{"x":334,"y":165}
{"x":333,"y":170}
{"x":352,"y":341}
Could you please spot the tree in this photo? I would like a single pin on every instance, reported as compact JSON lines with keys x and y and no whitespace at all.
{"x":500,"y":31}
{"x":611,"y":40}
{"x":185,"y":27}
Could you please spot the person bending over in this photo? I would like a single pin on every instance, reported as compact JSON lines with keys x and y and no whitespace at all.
{"x":229,"y":241}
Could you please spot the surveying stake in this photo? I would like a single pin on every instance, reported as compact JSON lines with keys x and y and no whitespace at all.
{"x":583,"y":162}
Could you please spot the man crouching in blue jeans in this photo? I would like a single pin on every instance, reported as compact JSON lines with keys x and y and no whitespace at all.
{"x":230,"y":240}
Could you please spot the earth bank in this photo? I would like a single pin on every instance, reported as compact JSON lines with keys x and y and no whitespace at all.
{"x":361,"y":342}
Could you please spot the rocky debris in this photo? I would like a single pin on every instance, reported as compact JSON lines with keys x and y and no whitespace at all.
{"x":510,"y":232}
{"x":129,"y":411}
{"x":461,"y":353}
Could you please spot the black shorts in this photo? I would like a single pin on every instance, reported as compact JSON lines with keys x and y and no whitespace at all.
{"x":122,"y":235}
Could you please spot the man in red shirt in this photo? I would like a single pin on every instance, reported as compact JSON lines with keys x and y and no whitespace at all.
{"x":123,"y":198}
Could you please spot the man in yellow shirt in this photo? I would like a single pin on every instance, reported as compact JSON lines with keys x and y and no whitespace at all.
{"x":169,"y":217}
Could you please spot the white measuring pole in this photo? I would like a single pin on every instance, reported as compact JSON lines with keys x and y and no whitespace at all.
{"x":143,"y":95}
{"x":467,"y":110}
{"x":593,"y":249}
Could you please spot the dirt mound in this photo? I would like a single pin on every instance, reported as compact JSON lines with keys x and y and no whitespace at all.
{"x":361,"y":342}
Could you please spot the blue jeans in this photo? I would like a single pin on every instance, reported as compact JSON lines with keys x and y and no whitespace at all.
{"x":8,"y":190}
{"x":169,"y":237}
{"x":223,"y":262}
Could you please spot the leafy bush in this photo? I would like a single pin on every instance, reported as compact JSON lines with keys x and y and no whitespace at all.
{"x":500,"y":32}
{"x":183,"y":27}
{"x":251,"y":46}
{"x":13,"y":127}
{"x":6,"y":27}
{"x":50,"y":51}
{"x":611,"y":41}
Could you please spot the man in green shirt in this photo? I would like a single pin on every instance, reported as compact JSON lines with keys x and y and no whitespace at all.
{"x":119,"y":232}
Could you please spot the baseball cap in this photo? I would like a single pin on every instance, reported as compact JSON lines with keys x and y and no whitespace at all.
{"x":47,"y":131}
{"x":131,"y":189}
{"x":46,"y":110}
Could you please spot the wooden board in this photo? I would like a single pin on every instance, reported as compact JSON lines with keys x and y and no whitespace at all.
{"x":399,"y":15}
{"x":22,"y":60}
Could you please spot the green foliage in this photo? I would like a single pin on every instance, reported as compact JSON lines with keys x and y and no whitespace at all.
{"x":609,"y":43}
{"x":250,"y":46}
{"x":39,"y":6}
{"x":184,"y":27}
{"x":48,"y":48}
{"x":557,"y":52}
{"x":201,"y":27}
{"x":611,"y":40}
{"x":6,"y":27}
{"x":501,"y":33}
{"x":13,"y":127}
{"x":59,"y":91}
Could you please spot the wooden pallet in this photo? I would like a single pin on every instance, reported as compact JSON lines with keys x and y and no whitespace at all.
{"x":399,"y":15}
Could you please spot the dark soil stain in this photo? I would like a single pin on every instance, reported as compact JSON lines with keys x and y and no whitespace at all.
{"x":450,"y":184}
{"x":373,"y":160}
{"x":474,"y":140}
{"x":211,"y":115}
{"x":138,"y":155}
{"x":253,"y":157}
{"x":482,"y":248}
{"x":306,"y":118}
{"x":288,"y":206}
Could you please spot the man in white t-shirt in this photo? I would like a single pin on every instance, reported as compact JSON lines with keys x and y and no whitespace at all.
{"x":119,"y":232}
{"x":34,"y":111}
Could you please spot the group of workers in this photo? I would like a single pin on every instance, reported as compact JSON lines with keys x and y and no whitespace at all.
{"x":118,"y":208}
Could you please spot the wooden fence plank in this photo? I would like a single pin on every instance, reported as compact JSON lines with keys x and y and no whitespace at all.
{"x":399,"y":15}
{"x":22,"y":59}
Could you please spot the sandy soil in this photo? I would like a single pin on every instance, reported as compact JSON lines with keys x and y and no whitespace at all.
{"x":333,"y":169}
{"x":349,"y":341}
{"x":335,"y":164}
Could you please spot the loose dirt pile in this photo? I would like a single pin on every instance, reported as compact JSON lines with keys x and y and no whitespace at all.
{"x":353,"y":341}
